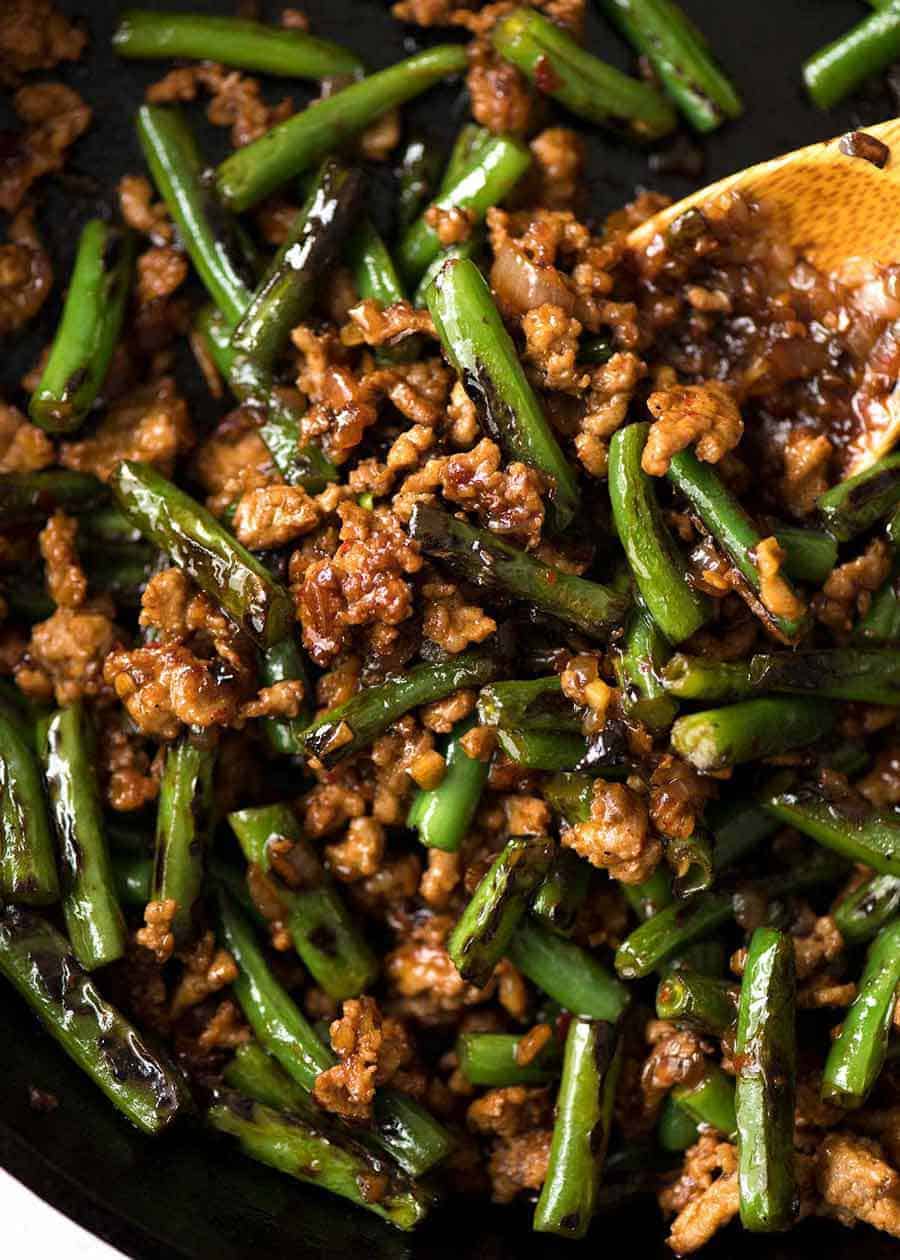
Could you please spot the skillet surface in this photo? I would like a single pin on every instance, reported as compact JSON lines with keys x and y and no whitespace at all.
{"x":191,"y":1198}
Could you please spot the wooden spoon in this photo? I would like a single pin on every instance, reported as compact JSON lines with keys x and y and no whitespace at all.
{"x":842,"y":213}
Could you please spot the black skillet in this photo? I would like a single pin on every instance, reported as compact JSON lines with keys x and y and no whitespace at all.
{"x":189,"y":1197}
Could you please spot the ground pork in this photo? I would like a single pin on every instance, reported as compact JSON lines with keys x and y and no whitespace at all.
{"x":372,"y":1048}
{"x":558,"y":154}
{"x":233,"y":460}
{"x":236,"y":101}
{"x":64,"y":575}
{"x":806,"y":459}
{"x":500,"y":96}
{"x":372,"y":324}
{"x":360,"y":853}
{"x":150,"y":424}
{"x":451,"y":622}
{"x":26,"y":274}
{"x":881,"y":785}
{"x":618,"y":837}
{"x":551,"y":346}
{"x":34,"y":35}
{"x":23,"y":446}
{"x":612,"y":387}
{"x":54,"y":116}
{"x":160,"y":271}
{"x":705,"y":416}
{"x":857,"y":1184}
{"x":519,"y":1123}
{"x":140,"y":211}
{"x":156,"y":934}
{"x":271,"y":516}
{"x":849,"y":588}
{"x":775,"y":592}
{"x":65,"y":655}
{"x":508,"y":501}
{"x":678,"y":796}
{"x":677,"y":1058}
{"x":422,"y":979}
{"x":442,"y":715}
{"x":207,"y":969}
{"x":128,"y":777}
{"x":705,"y":1196}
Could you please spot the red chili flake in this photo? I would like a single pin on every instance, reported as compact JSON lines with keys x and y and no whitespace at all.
{"x":545,"y":77}
{"x":859,"y":144}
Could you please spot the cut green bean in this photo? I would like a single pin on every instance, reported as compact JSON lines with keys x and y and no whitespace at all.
{"x":442,"y":815}
{"x":675,"y":1129}
{"x":543,"y":750}
{"x":281,"y":663}
{"x":651,"y":895}
{"x":374,"y":273}
{"x":400,"y":1125}
{"x":639,"y":665}
{"x":537,"y":704}
{"x":469,"y":248}
{"x":809,"y":554}
{"x":590,"y":88}
{"x":500,"y":163}
{"x":148,"y":34}
{"x":858,"y":1054}
{"x":302,"y":140}
{"x":468,"y":147}
{"x":865,"y":911}
{"x":29,"y":498}
{"x":871,"y":675}
{"x":562,"y":892}
{"x":90,"y":902}
{"x":696,"y":678}
{"x":581,"y":1130}
{"x":353,"y":725}
{"x":323,"y":931}
{"x":717,"y":738}
{"x":653,"y":557}
{"x":475,"y":340}
{"x":488,"y":562}
{"x":858,"y":503}
{"x":710,"y":1102}
{"x":39,"y":963}
{"x":89,"y":329}
{"x":871,"y":837}
{"x":765,"y":1057}
{"x":732,"y":530}
{"x":288,"y":288}
{"x":698,"y":1002}
{"x":253,"y":1072}
{"x":659,"y":30}
{"x":416,"y":177}
{"x":865,"y":50}
{"x":739,"y":825}
{"x":490,"y":1059}
{"x":184,"y":823}
{"x":208,"y":235}
{"x":566,"y":972}
{"x":481,"y":936}
{"x":27,"y":857}
{"x":691,"y":860}
{"x":881,"y":623}
{"x":209,"y":555}
{"x":133,"y":875}
{"x":312,"y":1151}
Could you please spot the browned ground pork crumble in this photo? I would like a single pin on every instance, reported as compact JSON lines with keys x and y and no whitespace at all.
{"x":728,"y":342}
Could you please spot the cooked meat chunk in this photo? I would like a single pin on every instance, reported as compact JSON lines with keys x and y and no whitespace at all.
{"x":618,"y":836}
{"x":705,"y":416}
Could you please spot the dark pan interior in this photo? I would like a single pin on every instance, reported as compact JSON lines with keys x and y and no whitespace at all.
{"x":188,"y":1196}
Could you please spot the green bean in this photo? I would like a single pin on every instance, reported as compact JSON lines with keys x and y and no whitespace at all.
{"x":293,"y":54}
{"x":302,"y":140}
{"x":566,"y":972}
{"x":681,"y":924}
{"x":653,"y":557}
{"x":866,"y":674}
{"x":717,"y":738}
{"x":698,"y":1002}
{"x":400,"y":1125}
{"x":858,"y":503}
{"x":442,"y":814}
{"x":374,"y":273}
{"x":27,"y":858}
{"x":478,"y":346}
{"x":738,"y":825}
{"x":537,"y":704}
{"x":570,"y":796}
{"x":90,"y":903}
{"x":469,"y":248}
{"x":639,"y":666}
{"x":416,"y":176}
{"x":543,"y":750}
{"x":288,"y":288}
{"x":706,"y":958}
{"x":561,"y":68}
{"x":865,"y":50}
{"x":89,"y":329}
{"x":596,"y":350}
{"x":38,"y":962}
{"x":865,"y":911}
{"x":470,"y":143}
{"x":353,"y":725}
{"x":697,"y":678}
{"x":29,"y":498}
{"x":858,"y":1054}
{"x":893,"y":528}
{"x":765,"y":1057}
{"x":208,"y":236}
{"x":323,"y":931}
{"x":311,"y":1151}
{"x":871,"y":837}
{"x":480,"y":937}
{"x":562,"y":892}
{"x":659,"y":30}
{"x":184,"y":822}
{"x":710,"y":1101}
{"x":881,"y":624}
{"x":133,"y":876}
{"x":280,"y":663}
{"x":732,"y":529}
{"x":253,"y":1072}
{"x":651,"y":895}
{"x":675,"y":1129}
{"x":208,"y":554}
{"x":691,"y":860}
{"x":490,"y":1059}
{"x":500,"y":163}
{"x":584,"y":1107}
{"x":809,"y":554}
